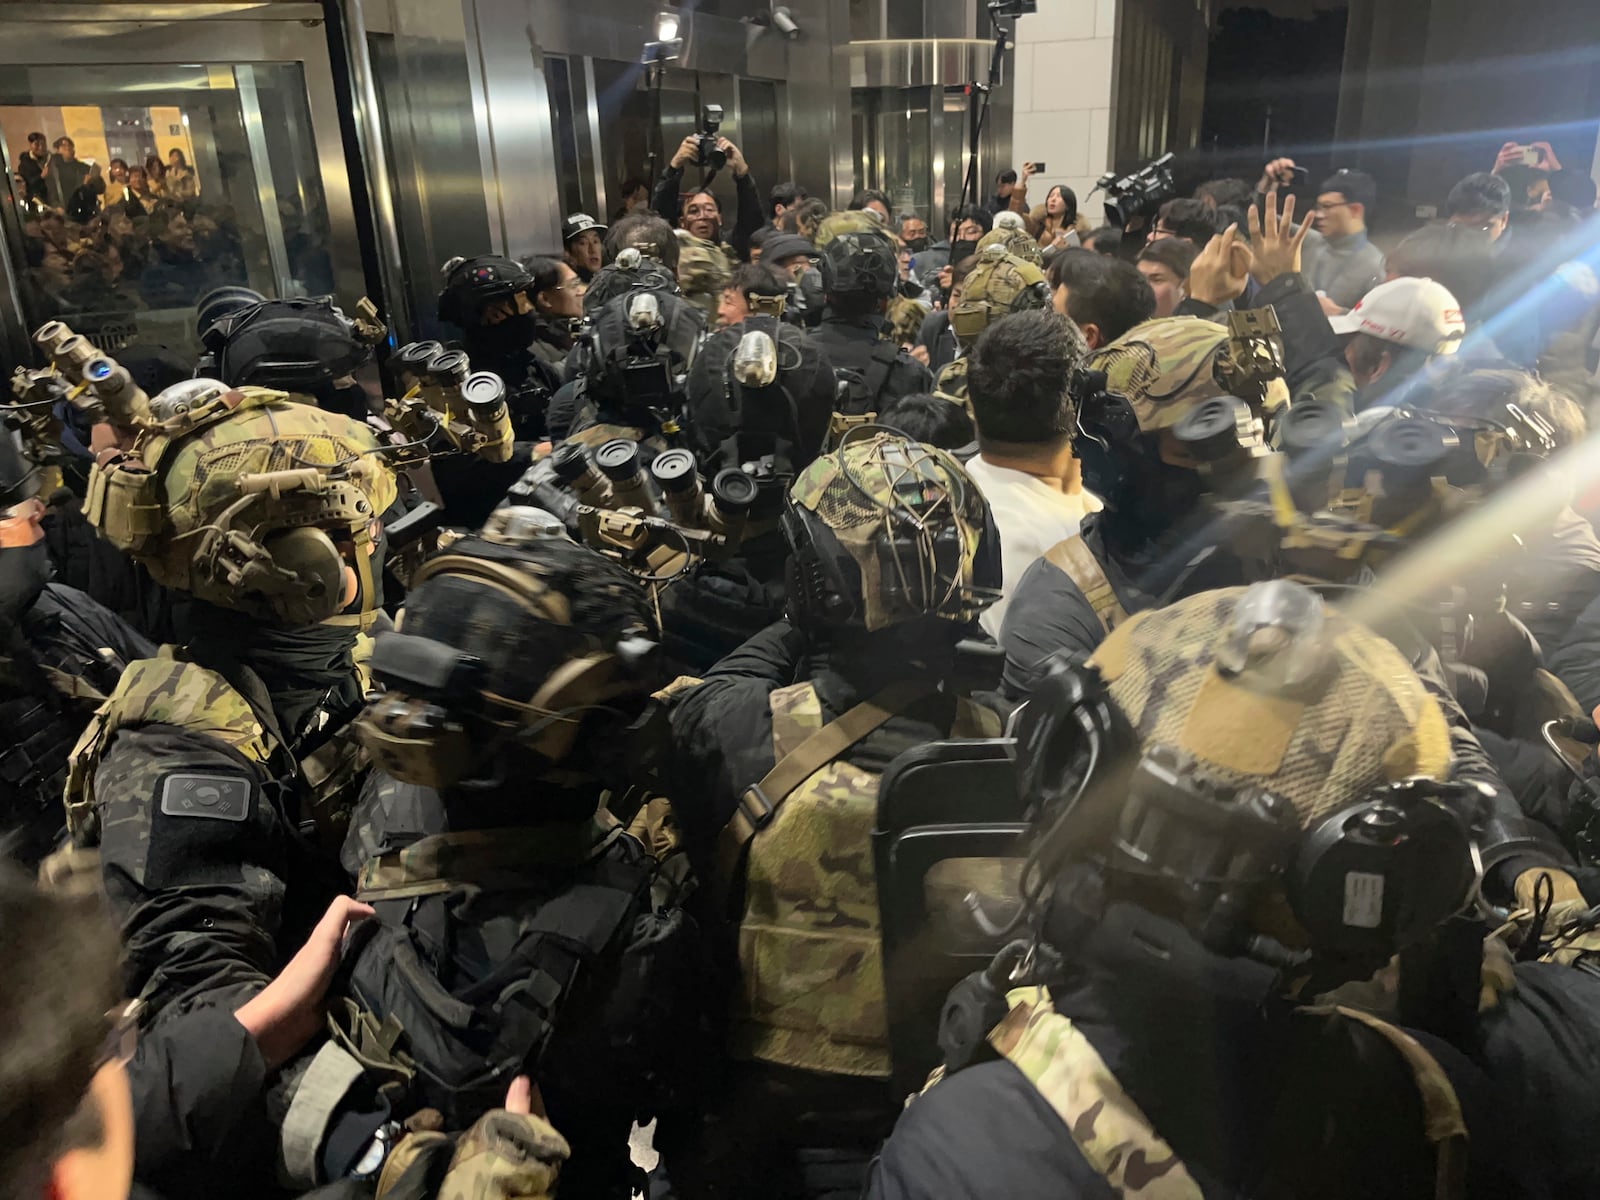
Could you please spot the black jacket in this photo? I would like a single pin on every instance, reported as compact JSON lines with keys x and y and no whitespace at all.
{"x":1313,"y":360}
{"x":668,"y":201}
{"x":850,"y":344}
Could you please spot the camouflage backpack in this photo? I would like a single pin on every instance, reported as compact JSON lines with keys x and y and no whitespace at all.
{"x":1017,"y":242}
{"x":809,"y":941}
{"x":951,"y":384}
{"x":1001,"y":283}
{"x":703,"y":272}
{"x":854,"y":221}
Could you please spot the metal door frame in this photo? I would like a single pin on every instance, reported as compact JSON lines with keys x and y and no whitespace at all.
{"x":67,"y":35}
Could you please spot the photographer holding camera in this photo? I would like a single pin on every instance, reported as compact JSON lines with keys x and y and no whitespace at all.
{"x":698,"y":211}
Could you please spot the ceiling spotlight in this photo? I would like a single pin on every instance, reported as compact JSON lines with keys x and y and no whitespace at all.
{"x":656,"y":53}
{"x":666,"y":27}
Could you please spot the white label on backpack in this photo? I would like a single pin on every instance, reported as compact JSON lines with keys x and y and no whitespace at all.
{"x":1363,"y":900}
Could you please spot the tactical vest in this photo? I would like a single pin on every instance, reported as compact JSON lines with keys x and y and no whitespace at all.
{"x":454,"y":1048}
{"x":37,"y":733}
{"x":1077,"y":562}
{"x":166,"y":690}
{"x":863,"y":370}
{"x":1118,"y":1141}
{"x":810,"y":951}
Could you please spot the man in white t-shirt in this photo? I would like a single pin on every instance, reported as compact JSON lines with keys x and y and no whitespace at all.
{"x":1017,"y":382}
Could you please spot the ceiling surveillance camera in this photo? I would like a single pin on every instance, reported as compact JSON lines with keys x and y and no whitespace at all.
{"x":784,"y":21}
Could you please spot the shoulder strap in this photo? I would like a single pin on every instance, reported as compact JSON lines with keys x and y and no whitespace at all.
{"x":1078,"y":563}
{"x":761,"y":801}
{"x":1443,"y":1124}
{"x":885,"y":356}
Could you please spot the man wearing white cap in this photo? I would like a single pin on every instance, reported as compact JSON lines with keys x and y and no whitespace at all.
{"x":1395,"y":329}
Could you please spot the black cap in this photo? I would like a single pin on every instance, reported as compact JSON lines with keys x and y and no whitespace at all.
{"x":786,"y":245}
{"x":579,"y":223}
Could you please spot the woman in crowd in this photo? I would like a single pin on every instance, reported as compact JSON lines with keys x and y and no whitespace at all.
{"x":1055,"y":222}
{"x":117,"y":185}
{"x":180,"y":182}
{"x":156,"y":173}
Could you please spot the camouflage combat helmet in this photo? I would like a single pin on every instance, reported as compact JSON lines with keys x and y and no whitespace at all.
{"x":1016,"y":241}
{"x":1001,"y":283}
{"x":1260,"y":720}
{"x":1167,"y":367}
{"x":249,"y":501}
{"x":859,"y":259}
{"x":505,"y":634}
{"x":703,"y":272}
{"x":886,"y":530}
{"x":854,"y":221}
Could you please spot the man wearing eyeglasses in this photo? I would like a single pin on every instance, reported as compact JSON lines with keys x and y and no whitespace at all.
{"x":1340,"y":261}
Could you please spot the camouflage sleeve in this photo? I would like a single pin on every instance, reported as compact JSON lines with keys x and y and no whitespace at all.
{"x":193,"y":854}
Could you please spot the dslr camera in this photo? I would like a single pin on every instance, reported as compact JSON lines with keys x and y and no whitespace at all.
{"x":706,"y":152}
{"x":1138,"y":194}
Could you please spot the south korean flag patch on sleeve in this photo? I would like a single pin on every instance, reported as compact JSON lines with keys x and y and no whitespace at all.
{"x":209,"y":797}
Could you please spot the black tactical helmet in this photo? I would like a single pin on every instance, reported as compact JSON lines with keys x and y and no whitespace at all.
{"x":221,"y":303}
{"x":472,"y":284}
{"x":631,"y":272}
{"x":761,"y":405}
{"x":291,"y":345}
{"x":637,"y":353}
{"x":860,"y":263}
{"x":517,"y":636}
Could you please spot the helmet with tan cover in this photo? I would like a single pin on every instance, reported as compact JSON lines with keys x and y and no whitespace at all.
{"x":1259,"y":766}
{"x":885,"y":531}
{"x":1001,"y":283}
{"x":249,"y":501}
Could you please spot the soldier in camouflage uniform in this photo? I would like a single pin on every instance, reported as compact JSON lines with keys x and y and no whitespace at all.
{"x":519,"y":929}
{"x":876,"y":613}
{"x":1187,"y":1010}
{"x":1002,"y":282}
{"x":213,"y":783}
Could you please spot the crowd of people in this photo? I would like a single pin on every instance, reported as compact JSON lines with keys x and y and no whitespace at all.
{"x":1052,"y":711}
{"x":103,"y":243}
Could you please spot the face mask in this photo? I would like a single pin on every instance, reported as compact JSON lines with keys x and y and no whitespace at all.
{"x":24,"y":570}
{"x":962,"y":250}
{"x":510,"y":335}
{"x":917,"y":245}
